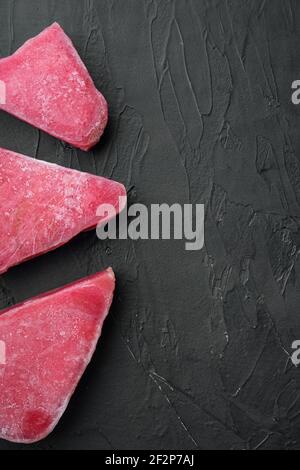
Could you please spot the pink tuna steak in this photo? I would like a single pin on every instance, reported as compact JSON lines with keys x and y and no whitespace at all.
{"x":46,"y":344}
{"x":44,"y":205}
{"x":48,"y":86}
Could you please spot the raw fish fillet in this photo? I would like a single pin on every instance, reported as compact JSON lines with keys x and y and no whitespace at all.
{"x":47,"y":343}
{"x":44,"y":205}
{"x":48,"y":86}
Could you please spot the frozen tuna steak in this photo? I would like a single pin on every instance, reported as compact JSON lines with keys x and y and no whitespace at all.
{"x":44,"y":205}
{"x":46,"y":344}
{"x":48,"y":86}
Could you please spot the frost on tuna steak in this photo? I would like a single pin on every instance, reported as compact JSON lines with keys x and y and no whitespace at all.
{"x":48,"y":86}
{"x":44,"y":205}
{"x":48,"y":341}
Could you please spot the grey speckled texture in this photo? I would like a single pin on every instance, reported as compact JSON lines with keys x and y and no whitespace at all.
{"x":195,"y":353}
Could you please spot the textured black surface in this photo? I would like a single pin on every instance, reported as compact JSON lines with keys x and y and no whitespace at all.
{"x":195,"y":353}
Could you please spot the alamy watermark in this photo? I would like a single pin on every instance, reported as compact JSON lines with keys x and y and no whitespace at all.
{"x":296,"y":355}
{"x":2,"y":353}
{"x":157,"y":222}
{"x":2,"y":92}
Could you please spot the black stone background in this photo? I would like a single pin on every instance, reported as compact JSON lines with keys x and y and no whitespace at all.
{"x":195,"y":352}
